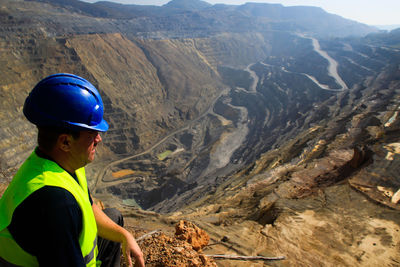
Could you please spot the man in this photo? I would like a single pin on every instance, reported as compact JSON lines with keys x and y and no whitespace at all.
{"x":47,"y":216}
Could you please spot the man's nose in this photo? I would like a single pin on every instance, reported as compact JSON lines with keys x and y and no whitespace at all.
{"x":98,"y":139}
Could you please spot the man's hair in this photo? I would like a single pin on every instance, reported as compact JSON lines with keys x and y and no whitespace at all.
{"x":47,"y":136}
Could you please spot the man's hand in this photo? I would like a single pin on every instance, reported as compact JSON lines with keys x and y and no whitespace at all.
{"x":131,"y":248}
{"x":108,"y":229}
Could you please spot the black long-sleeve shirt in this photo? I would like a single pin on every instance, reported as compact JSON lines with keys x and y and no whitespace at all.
{"x":47,"y":224}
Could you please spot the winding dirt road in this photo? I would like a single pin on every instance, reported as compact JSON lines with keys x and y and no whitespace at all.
{"x":210,"y":110}
{"x":332,"y":67}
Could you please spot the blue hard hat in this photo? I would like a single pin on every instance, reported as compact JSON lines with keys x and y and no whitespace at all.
{"x":67,"y":101}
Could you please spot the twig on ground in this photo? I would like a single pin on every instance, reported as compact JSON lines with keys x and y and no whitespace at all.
{"x":235,"y":257}
{"x":147,"y":235}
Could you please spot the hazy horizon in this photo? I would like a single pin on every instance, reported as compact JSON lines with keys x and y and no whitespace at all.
{"x":372,"y":12}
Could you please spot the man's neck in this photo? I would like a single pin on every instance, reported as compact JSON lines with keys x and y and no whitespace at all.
{"x":57,"y":158}
{"x":42,"y":154}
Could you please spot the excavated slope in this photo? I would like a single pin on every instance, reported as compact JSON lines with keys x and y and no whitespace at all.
{"x":248,"y":135}
{"x":141,"y":84}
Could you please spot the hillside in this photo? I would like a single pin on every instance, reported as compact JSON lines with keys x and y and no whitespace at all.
{"x":274,"y":129}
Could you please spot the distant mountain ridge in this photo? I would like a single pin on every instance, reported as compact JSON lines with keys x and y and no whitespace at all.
{"x":388,"y":27}
{"x":199,"y":18}
{"x":187,"y":4}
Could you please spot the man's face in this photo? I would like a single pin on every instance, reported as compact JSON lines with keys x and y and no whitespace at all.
{"x":84,"y":148}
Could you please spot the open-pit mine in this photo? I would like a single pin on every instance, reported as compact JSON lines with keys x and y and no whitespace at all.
{"x":275,"y":131}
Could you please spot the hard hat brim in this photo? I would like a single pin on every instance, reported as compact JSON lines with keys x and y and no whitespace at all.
{"x":101,"y":127}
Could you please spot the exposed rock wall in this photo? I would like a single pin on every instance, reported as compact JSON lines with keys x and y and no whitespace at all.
{"x":149,"y":87}
{"x":25,"y":59}
{"x":190,"y":81}
{"x":133,"y":93}
{"x":234,"y":49}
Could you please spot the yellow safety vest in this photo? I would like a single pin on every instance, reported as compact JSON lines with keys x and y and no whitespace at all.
{"x":35,"y":173}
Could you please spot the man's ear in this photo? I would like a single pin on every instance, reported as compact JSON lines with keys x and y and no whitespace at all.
{"x":64,"y":142}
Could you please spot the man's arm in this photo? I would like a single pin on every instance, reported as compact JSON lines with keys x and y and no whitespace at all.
{"x":110,"y":230}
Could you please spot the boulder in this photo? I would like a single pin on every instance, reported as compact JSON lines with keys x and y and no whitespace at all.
{"x":192,"y":234}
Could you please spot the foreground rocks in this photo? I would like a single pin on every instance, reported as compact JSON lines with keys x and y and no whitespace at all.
{"x":159,"y":249}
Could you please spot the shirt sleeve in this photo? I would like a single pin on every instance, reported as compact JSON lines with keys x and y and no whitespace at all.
{"x":47,"y":224}
{"x":90,"y":198}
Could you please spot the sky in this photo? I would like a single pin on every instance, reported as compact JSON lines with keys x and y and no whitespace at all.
{"x":372,"y":12}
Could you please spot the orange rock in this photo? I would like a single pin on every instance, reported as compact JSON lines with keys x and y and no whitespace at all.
{"x":160,"y":250}
{"x":192,"y":234}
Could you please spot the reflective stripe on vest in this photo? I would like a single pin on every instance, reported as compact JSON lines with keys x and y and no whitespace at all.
{"x":35,"y":173}
{"x":89,"y":257}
